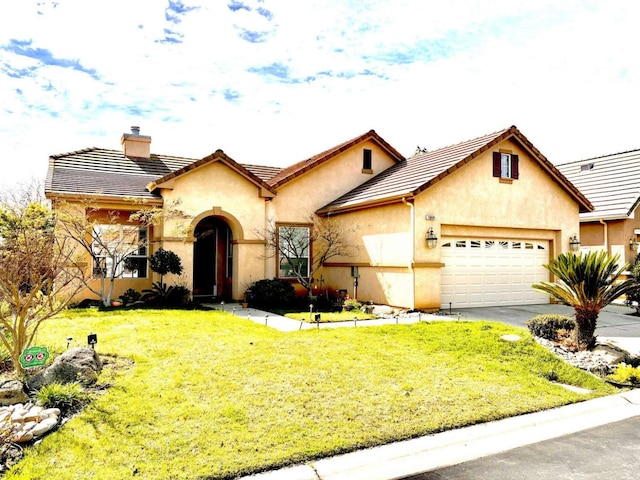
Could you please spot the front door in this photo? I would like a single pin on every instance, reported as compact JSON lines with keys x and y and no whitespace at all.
{"x":212,"y":250}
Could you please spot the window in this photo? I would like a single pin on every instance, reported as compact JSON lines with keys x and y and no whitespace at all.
{"x":293,"y":251}
{"x":120,"y":251}
{"x":366,"y":159}
{"x":505,"y":165}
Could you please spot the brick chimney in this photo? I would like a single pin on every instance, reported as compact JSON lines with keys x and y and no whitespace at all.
{"x":135,"y":145}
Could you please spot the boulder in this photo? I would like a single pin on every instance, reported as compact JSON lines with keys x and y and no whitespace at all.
{"x":610,"y":353}
{"x":12,"y":392}
{"x":80,"y":364}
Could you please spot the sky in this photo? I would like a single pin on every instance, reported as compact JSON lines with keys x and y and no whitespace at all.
{"x":273,"y":82}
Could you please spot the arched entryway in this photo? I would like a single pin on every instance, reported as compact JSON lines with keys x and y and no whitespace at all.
{"x":212,"y":259}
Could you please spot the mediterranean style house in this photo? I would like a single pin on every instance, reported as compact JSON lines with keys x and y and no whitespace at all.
{"x":612,"y":185}
{"x":470,"y":224}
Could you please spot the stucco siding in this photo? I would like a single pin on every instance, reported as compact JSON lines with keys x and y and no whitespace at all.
{"x":302,"y":196}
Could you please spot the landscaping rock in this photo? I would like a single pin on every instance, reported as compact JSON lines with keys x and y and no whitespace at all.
{"x":27,"y":422}
{"x":610,"y":353}
{"x":80,"y":364}
{"x":600,"y":361}
{"x":12,"y":392}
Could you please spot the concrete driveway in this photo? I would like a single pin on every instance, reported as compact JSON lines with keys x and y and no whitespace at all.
{"x":613,"y":321}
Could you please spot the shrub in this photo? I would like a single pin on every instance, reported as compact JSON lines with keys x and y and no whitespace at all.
{"x":274,"y":293}
{"x":626,"y":374}
{"x":178,"y":296}
{"x":549,"y":326}
{"x":130,"y":296}
{"x":351,"y":304}
{"x":68,"y":397}
{"x":163,"y":295}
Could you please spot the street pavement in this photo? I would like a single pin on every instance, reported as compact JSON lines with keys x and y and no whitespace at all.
{"x":610,"y":451}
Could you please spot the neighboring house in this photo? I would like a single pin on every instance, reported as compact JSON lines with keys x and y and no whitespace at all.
{"x":612,"y":185}
{"x":466,"y":225}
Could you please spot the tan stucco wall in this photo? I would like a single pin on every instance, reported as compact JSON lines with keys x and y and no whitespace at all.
{"x":300,"y":197}
{"x":382,"y":250}
{"x":217,"y":190}
{"x":612,"y":236}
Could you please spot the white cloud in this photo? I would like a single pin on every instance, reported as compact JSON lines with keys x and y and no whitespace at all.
{"x":277,"y":81}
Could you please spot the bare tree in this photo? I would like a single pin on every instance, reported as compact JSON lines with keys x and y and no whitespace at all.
{"x":302,"y":249}
{"x":36,"y":281}
{"x":116,"y":242}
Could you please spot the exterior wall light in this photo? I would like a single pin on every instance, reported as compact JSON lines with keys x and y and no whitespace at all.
{"x":633,"y":244}
{"x":574,"y":243}
{"x":432,"y":240}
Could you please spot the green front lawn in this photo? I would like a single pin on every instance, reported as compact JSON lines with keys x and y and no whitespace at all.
{"x":211,"y":395}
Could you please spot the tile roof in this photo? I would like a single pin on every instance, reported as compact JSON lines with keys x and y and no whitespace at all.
{"x":610,"y":182}
{"x":416,"y":174}
{"x":263,"y":172}
{"x":300,"y":168}
{"x":97,"y":171}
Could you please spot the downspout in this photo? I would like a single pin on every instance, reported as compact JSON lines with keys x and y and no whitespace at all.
{"x":413,"y":251}
{"x":606,"y":235}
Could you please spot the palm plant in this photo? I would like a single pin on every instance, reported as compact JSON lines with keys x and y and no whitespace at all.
{"x":588,"y":283}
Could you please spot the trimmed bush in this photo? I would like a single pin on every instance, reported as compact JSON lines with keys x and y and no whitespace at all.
{"x":549,"y":325}
{"x":68,"y":397}
{"x":275,"y":293}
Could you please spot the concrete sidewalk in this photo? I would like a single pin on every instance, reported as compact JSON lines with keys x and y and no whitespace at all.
{"x":411,"y":457}
{"x":285,"y":324}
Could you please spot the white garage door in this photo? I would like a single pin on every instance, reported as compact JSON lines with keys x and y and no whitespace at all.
{"x":481,"y":272}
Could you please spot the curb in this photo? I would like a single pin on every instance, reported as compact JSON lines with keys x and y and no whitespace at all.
{"x":411,"y":457}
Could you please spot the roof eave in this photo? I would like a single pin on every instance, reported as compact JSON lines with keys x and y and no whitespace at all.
{"x":125,"y":200}
{"x":327,"y":211}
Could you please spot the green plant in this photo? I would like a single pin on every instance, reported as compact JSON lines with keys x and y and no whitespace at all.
{"x":68,"y":397}
{"x":626,"y":374}
{"x":165,"y":261}
{"x":588,"y":283}
{"x":633,"y":296}
{"x":351,"y":304}
{"x":130,"y":296}
{"x":272,"y":293}
{"x":548,"y":325}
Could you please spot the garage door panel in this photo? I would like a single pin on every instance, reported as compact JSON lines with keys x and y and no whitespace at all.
{"x":483,"y":272}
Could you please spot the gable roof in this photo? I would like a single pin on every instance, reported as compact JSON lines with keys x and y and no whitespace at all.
{"x":107,"y":173}
{"x":304,"y":166}
{"x":610,"y":182}
{"x":217,"y":156}
{"x":415,"y":174}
